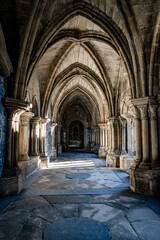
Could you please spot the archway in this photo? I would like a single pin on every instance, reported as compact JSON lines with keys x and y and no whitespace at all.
{"x":76,"y":135}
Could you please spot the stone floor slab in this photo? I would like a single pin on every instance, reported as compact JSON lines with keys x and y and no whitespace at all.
{"x":77,"y":229}
{"x":99,"y":212}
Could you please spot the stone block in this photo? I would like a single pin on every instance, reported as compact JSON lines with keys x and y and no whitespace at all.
{"x":145,"y":181}
{"x":112,"y":160}
{"x":28,"y":167}
{"x":44,"y":162}
{"x":101,"y":152}
{"x":11,"y":185}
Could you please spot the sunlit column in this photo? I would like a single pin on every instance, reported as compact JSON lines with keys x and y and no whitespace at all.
{"x":34,"y":135}
{"x":24,"y":135}
{"x":53,"y":132}
{"x":124,"y":136}
{"x":145,"y":134}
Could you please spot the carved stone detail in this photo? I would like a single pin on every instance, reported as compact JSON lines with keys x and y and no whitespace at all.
{"x":144,"y":111}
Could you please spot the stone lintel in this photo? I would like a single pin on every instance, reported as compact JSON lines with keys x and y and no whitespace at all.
{"x":16,"y":104}
{"x":144,"y":101}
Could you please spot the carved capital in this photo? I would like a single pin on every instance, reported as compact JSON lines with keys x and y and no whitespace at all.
{"x":153,"y":111}
{"x":25,"y":117}
{"x":135,"y":111}
{"x":144,"y":111}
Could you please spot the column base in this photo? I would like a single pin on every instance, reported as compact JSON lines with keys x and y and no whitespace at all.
{"x":11,"y":185}
{"x":59,"y":149}
{"x":121,"y":161}
{"x":102,"y":152}
{"x":125,"y":162}
{"x":23,"y":158}
{"x":145,"y":181}
{"x":44,"y":162}
{"x":95,"y":149}
{"x":54,"y":154}
{"x":112,"y":160}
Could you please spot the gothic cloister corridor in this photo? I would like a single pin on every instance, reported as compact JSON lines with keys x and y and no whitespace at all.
{"x":77,"y":185}
{"x":79,"y":119}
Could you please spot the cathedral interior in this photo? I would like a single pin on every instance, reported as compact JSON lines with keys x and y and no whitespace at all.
{"x":79,"y":119}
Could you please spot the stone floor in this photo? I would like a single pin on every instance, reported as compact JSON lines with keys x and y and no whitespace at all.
{"x":79,"y":186}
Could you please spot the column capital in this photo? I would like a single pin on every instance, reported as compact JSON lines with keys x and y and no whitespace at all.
{"x":54,"y":125}
{"x":136,"y":112}
{"x":45,"y":120}
{"x":102,"y":125}
{"x":153,"y":111}
{"x":36,"y":119}
{"x":25,"y":117}
{"x":144,"y":111}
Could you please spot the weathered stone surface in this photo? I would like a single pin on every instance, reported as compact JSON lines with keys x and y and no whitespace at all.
{"x":99,"y":212}
{"x":77,"y":228}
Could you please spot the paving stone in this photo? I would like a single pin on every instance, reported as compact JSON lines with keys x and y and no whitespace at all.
{"x":67,"y":210}
{"x":141,"y":212}
{"x":120,"y":228}
{"x":101,"y":198}
{"x":124,"y":201}
{"x":77,"y":175}
{"x":147,"y":230}
{"x":48,"y":213}
{"x":9,"y":230}
{"x":99,"y":212}
{"x":30,"y":204}
{"x":29,"y":232}
{"x":77,"y":199}
{"x":77,"y":229}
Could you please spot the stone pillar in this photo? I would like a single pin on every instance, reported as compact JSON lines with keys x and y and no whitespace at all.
{"x":11,"y":181}
{"x":138,"y":140}
{"x":112,"y":157}
{"x":124,"y":142}
{"x":124,"y":135}
{"x":154,"y":134}
{"x":42,"y":136}
{"x":129,"y":137}
{"x":145,"y":134}
{"x":24,"y":136}
{"x":53,"y":132}
{"x":102,"y":150}
{"x":35,"y":135}
{"x":59,"y":128}
{"x":144,"y":174}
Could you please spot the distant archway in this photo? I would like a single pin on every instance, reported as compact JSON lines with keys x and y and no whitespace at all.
{"x":76,"y":135}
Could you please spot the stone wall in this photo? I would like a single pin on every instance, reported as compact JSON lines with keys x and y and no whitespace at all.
{"x":3,"y":123}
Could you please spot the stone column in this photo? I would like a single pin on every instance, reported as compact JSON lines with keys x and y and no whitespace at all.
{"x":138,"y":141}
{"x":35,"y":135}
{"x":8,"y":160}
{"x":59,"y":128}
{"x":154,"y":134}
{"x":53,"y":132}
{"x":124,"y":135}
{"x":113,"y":132}
{"x":129,"y":137}
{"x":145,"y":134}
{"x":108,"y":136}
{"x":24,"y":136}
{"x":42,"y":138}
{"x":102,"y":150}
